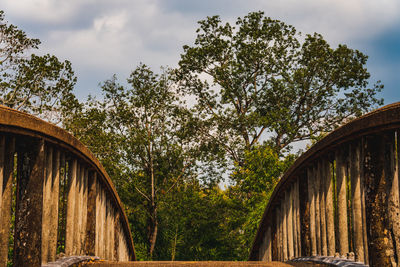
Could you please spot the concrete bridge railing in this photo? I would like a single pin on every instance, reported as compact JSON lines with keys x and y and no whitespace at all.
{"x":55,"y":197}
{"x":340,"y":198}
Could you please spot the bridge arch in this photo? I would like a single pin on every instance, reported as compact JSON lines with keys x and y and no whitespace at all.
{"x":64,"y":200}
{"x":340,"y":198}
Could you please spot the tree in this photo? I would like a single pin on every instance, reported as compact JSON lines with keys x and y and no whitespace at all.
{"x":257,"y":88}
{"x":40,"y":85}
{"x":145,"y":137}
{"x":196,"y":224}
{"x":255,"y":181}
{"x":258,"y":80}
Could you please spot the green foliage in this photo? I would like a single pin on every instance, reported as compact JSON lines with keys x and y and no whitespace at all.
{"x":40,"y":85}
{"x":265,"y":77}
{"x":202,"y":218}
{"x":266,"y":87}
{"x":255,"y":182}
{"x":146,"y":138}
{"x":261,"y":170}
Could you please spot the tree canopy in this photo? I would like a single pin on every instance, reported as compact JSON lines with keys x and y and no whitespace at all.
{"x":261,"y":79}
{"x":252,"y":89}
{"x":40,"y":85}
{"x":145,"y":137}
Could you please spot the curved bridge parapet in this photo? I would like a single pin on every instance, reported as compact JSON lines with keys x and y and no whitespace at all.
{"x":340,"y":198}
{"x":56,"y":199}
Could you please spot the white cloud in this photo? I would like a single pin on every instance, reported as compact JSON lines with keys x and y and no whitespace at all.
{"x":47,"y":11}
{"x":337,"y":20}
{"x":118,"y":34}
{"x":113,"y":23}
{"x":120,"y":38}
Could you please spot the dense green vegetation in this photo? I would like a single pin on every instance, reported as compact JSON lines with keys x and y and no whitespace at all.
{"x":195,"y":152}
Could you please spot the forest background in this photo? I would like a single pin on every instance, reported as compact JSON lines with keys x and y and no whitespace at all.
{"x":195,"y":151}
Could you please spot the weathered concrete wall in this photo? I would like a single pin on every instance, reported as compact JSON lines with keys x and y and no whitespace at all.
{"x":349,"y":201}
{"x":49,"y":161}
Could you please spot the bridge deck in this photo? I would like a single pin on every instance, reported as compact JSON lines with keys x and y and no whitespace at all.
{"x":197,"y":264}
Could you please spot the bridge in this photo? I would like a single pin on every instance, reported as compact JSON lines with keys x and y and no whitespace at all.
{"x":340,"y":199}
{"x":338,"y":205}
{"x":65,"y":203}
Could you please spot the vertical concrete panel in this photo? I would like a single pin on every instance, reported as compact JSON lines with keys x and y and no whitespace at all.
{"x":298,"y":220}
{"x":295,"y":211}
{"x":343,"y":231}
{"x":261,"y":249}
{"x":393,"y":191}
{"x":311,"y":197}
{"x":54,"y":199}
{"x":304,"y":206}
{"x":265,"y":249}
{"x":330,"y":219}
{"x":102,"y":223}
{"x":285,"y":234}
{"x":297,"y":242}
{"x":295,"y":214}
{"x":363,"y":207}
{"x":120,"y":246}
{"x":378,"y":176}
{"x":269,"y":247}
{"x":121,"y":253}
{"x":29,"y":205}
{"x":106,"y":230}
{"x":98,"y":216}
{"x":84,"y":197}
{"x":46,"y":216}
{"x":322,"y":188}
{"x":117,"y":230}
{"x":71,"y":199}
{"x":91,"y":215}
{"x":112,"y":233}
{"x":126,"y":250}
{"x":317,"y":187}
{"x":274,"y":236}
{"x":123,"y":248}
{"x":62,"y":223}
{"x":290,"y":222}
{"x":279,"y":237}
{"x":78,"y":210}
{"x":356,"y":202}
{"x":7,"y":148}
{"x":81,"y":210}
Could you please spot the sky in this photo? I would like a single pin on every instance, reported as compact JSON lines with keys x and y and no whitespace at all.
{"x":106,"y":37}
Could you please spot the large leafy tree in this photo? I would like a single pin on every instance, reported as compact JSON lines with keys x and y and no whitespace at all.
{"x":262,"y":80}
{"x":257,"y":81}
{"x":40,"y":85}
{"x":259,"y":86}
{"x":146,"y":138}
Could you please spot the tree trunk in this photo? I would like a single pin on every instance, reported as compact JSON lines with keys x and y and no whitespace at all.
{"x":173,"y":251}
{"x":153,"y":222}
{"x":153,"y":229}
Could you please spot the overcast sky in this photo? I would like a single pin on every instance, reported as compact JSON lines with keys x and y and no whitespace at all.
{"x":103,"y":37}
